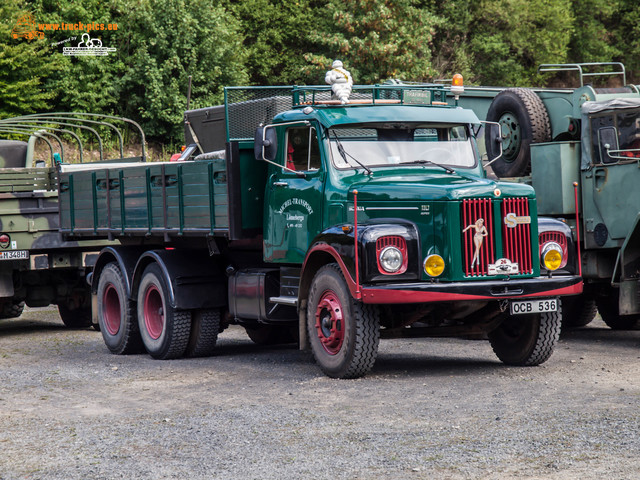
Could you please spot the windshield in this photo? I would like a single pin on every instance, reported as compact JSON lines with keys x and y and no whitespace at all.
{"x":382,"y":145}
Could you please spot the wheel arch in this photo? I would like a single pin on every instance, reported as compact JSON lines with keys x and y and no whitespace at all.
{"x":194,"y":280}
{"x":126,"y":259}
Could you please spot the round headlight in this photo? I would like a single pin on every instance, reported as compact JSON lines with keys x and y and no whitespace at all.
{"x":552,"y":256}
{"x":434,"y":265}
{"x":391,"y":259}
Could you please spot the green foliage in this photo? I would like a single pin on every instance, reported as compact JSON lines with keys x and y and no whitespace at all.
{"x":24,"y":64}
{"x":83,"y":83}
{"x":451,"y":52}
{"x":164,"y":42}
{"x":276,"y":39}
{"x":510,"y":38}
{"x":627,"y":37}
{"x":377,"y":40}
{"x":592,"y":40}
{"x":159,"y":43}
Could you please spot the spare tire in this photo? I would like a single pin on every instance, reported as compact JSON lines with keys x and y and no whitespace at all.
{"x":524,"y":120}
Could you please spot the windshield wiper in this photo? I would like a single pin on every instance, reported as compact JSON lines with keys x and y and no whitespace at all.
{"x":344,"y":154}
{"x":429,"y":162}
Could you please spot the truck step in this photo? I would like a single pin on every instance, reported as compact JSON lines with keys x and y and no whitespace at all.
{"x":291,"y":301}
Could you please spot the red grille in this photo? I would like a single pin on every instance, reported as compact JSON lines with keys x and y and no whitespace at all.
{"x":392,"y":241}
{"x":472,"y":212}
{"x":557,"y":237}
{"x":516,"y":233}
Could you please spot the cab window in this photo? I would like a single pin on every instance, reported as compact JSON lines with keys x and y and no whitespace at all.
{"x":302,"y":149}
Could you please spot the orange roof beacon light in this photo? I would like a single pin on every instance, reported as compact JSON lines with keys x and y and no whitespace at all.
{"x":457,"y":86}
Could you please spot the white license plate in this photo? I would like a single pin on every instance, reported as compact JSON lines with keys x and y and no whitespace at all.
{"x":534,"y":306}
{"x":14,"y":255}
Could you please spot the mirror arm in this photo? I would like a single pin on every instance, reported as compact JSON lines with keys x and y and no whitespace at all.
{"x":264,"y":132}
{"x":500,"y":142}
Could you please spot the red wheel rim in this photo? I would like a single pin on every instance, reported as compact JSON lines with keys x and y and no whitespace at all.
{"x":153,"y":312}
{"x":111,"y":311}
{"x":330,"y":323}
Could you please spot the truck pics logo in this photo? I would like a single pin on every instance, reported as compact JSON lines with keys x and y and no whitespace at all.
{"x":511,"y":220}
{"x":88,"y":46}
{"x":25,"y":27}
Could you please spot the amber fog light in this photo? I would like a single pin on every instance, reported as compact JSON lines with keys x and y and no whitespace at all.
{"x":551,"y":256}
{"x":434,"y":265}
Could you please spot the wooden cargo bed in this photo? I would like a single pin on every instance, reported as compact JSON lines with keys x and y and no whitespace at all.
{"x":144,"y":199}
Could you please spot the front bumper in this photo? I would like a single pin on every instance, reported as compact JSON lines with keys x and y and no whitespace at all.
{"x":463,"y":291}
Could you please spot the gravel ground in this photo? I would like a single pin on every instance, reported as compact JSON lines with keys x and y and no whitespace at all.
{"x":430,"y":409}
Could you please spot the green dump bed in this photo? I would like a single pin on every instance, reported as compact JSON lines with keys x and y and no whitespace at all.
{"x":164,"y":199}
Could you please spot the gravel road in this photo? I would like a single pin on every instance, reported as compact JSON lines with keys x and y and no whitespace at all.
{"x":430,"y":409}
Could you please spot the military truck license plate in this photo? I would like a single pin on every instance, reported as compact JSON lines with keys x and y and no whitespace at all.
{"x":534,"y":306}
{"x":14,"y":255}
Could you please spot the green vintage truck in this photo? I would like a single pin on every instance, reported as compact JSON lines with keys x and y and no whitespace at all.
{"x":333,"y":225}
{"x":37,"y":266}
{"x":589,"y":135}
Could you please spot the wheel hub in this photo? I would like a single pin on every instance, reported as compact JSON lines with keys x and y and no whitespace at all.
{"x":111,"y":312}
{"x":330,"y":323}
{"x":511,"y":135}
{"x":153,"y":312}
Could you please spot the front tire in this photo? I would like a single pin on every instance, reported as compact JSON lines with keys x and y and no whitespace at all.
{"x":12,"y":309}
{"x":526,"y":340}
{"x":116,"y":313}
{"x":165,"y":331}
{"x":607,"y":301}
{"x":79,"y":317}
{"x":578,"y":311}
{"x":343,"y":333}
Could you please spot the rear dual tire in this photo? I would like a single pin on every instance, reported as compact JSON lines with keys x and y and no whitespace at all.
{"x":165,"y":331}
{"x":116,"y":313}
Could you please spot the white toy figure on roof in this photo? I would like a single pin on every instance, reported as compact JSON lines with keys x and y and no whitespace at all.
{"x":340,"y":81}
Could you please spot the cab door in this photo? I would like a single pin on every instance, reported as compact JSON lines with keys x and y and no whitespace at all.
{"x":294,"y":194}
{"x":612,"y":181}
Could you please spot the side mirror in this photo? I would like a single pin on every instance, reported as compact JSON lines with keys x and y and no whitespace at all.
{"x":493,"y":141}
{"x":608,"y":139}
{"x":265,"y":145}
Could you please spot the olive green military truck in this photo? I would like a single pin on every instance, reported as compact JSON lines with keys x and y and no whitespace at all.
{"x":587,"y":135}
{"x":37,"y":266}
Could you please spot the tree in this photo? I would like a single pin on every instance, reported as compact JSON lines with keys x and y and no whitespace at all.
{"x":627,"y":37}
{"x":164,"y":42}
{"x":276,"y":37}
{"x":510,"y":38}
{"x":377,"y":39}
{"x":83,"y":83}
{"x":24,"y":64}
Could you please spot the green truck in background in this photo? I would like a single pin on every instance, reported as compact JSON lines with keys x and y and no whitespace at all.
{"x":333,"y":225}
{"x":588,"y":136}
{"x":37,"y":266}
